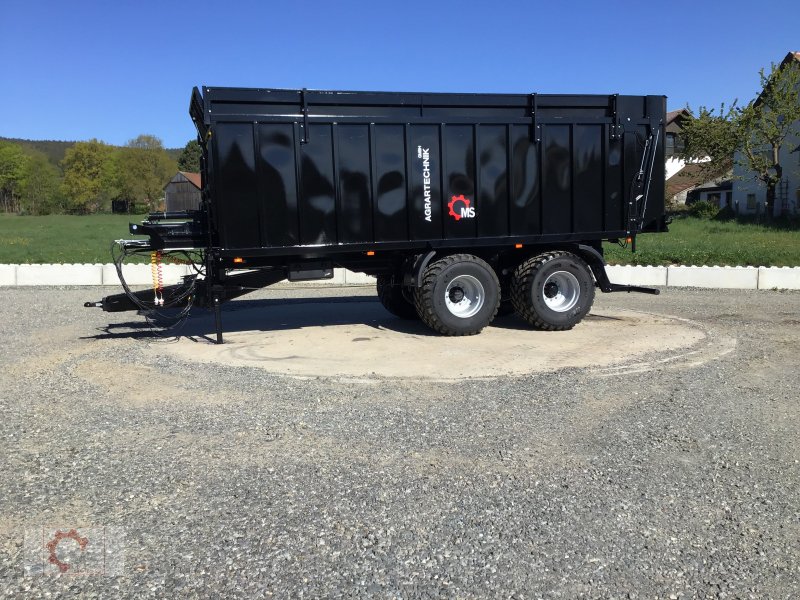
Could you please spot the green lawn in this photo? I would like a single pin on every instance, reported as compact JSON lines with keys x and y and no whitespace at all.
{"x":61,"y":238}
{"x":692,"y":241}
{"x":72,"y":239}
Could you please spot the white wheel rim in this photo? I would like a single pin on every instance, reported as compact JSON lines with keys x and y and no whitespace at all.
{"x":464,"y":296}
{"x":561,"y":291}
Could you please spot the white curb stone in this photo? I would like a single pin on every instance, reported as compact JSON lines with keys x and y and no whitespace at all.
{"x":782,"y":278}
{"x":338,"y":278}
{"x":637,"y":275}
{"x":142,"y":274}
{"x":8,"y":274}
{"x":134,"y":275}
{"x":765,"y":278}
{"x":742,"y":278}
{"x":352,"y":278}
{"x":59,"y":275}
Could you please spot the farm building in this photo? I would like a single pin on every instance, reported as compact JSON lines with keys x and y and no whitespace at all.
{"x":182,"y":192}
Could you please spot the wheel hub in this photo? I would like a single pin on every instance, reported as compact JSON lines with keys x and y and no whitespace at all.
{"x":464,"y":296}
{"x":456,"y":295}
{"x":561,"y":291}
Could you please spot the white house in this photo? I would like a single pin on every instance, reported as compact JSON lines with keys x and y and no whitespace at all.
{"x":750,"y":194}
{"x":673,"y":143}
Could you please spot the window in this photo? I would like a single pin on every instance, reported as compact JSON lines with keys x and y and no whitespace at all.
{"x":751,"y":201}
{"x":670,"y":150}
{"x":674,"y":145}
{"x":713,"y":198}
{"x":680,"y":146}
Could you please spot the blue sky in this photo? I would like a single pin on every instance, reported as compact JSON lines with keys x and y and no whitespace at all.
{"x":76,"y":70}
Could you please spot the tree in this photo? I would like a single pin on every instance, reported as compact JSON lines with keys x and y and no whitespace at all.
{"x":12,"y":171}
{"x":711,"y":139}
{"x":189,"y":160}
{"x":766,"y":122}
{"x":145,"y":141}
{"x":144,"y":169}
{"x":751,"y":136}
{"x":88,"y":176}
{"x":39,"y":188}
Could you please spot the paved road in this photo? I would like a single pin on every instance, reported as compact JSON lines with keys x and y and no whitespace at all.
{"x":658,"y":479}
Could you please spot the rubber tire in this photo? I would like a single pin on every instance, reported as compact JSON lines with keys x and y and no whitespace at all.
{"x":527,"y":290}
{"x":430,"y":302}
{"x":393,"y":300}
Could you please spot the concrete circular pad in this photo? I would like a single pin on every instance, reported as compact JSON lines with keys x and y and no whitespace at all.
{"x":358,"y":339}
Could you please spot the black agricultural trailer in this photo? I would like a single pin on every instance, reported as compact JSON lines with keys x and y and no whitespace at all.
{"x":462,"y":206}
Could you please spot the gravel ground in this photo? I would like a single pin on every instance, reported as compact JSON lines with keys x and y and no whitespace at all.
{"x":676,"y":482}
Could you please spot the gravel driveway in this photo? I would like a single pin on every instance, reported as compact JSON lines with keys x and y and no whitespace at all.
{"x":679,"y":480}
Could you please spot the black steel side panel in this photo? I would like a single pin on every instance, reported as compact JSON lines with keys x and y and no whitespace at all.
{"x":238,"y":215}
{"x":389,"y":182}
{"x":297,"y":169}
{"x":525,"y":187}
{"x":277,"y":180}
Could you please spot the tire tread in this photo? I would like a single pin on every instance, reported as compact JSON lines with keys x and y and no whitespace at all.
{"x":423,"y":297}
{"x":520,"y":291}
{"x":392,"y":299}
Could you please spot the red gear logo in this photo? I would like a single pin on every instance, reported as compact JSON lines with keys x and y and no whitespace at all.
{"x":53,"y":544}
{"x":452,"y":203}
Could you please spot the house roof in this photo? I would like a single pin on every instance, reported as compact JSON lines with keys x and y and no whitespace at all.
{"x":687,"y":178}
{"x":674,"y":114}
{"x":181,"y":176}
{"x":194,"y":178}
{"x":716,"y":184}
{"x":790,"y":57}
{"x":675,"y":119}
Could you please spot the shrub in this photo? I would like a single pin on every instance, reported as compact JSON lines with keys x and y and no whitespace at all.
{"x":704,"y":210}
{"x":725,"y":214}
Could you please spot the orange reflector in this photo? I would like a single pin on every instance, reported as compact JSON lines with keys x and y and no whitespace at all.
{"x":517,"y":245}
{"x":238,"y":260}
{"x":371,"y":253}
{"x":628,"y":240}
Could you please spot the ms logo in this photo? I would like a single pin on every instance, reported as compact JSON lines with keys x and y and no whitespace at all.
{"x":460,"y":208}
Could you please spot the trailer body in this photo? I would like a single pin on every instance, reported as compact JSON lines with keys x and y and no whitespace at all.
{"x":295,"y":182}
{"x":288,"y":171}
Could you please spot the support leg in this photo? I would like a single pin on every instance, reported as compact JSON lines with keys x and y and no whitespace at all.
{"x":218,"y":318}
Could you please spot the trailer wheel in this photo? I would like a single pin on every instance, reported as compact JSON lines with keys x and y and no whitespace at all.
{"x":393,"y":298}
{"x":459,"y":295}
{"x":553,"y":291}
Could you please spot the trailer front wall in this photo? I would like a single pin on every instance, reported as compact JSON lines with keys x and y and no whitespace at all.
{"x":288,"y":184}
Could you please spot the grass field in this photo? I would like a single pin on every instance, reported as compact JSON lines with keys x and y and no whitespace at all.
{"x":72,"y":239}
{"x":61,"y":238}
{"x":692,"y":241}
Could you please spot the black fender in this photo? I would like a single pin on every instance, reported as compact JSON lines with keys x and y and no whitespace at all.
{"x":597,"y":264}
{"x":414,"y":267}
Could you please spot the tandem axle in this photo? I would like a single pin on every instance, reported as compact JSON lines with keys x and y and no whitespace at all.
{"x":453,"y":291}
